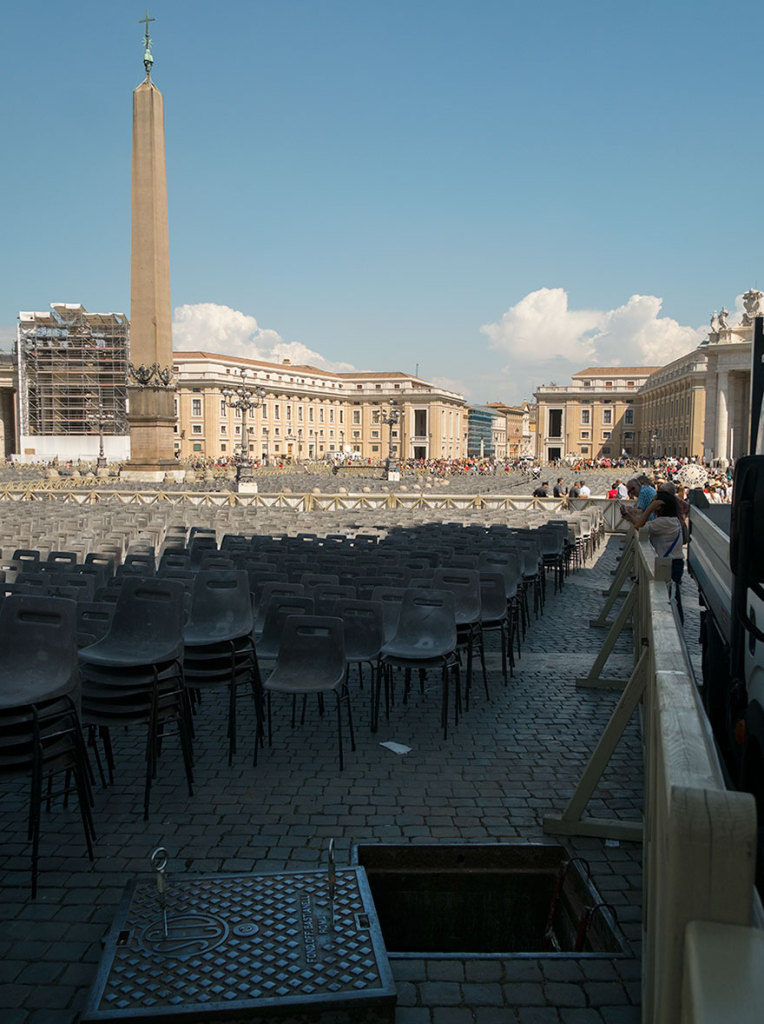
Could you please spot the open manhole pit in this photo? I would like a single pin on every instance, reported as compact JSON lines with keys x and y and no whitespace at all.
{"x":499,"y":899}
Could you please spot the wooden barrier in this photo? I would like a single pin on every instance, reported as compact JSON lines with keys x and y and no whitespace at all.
{"x":699,"y":838}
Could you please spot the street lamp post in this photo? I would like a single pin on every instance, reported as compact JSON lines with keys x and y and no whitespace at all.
{"x":97,"y":411}
{"x":244,"y":396}
{"x":391,"y":417}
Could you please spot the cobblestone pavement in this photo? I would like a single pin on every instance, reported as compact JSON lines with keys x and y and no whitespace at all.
{"x":508,"y":763}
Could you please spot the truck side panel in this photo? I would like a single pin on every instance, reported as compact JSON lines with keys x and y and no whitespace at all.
{"x":708,"y":560}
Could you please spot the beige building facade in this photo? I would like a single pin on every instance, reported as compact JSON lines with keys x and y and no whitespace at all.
{"x":308,"y":413}
{"x":596,"y":416}
{"x":700,"y":405}
{"x":671,"y":409}
{"x":518,"y":427}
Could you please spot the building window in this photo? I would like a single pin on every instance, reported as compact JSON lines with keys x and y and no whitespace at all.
{"x":277,"y":411}
{"x":223,"y":428}
{"x":223,"y":407}
{"x":223,"y":447}
{"x":628,"y":435}
{"x":584,"y":449}
{"x":310,"y":414}
{"x":356,"y":416}
{"x":605,"y":451}
{"x":607,"y":417}
{"x":555,"y":422}
{"x":605,"y":435}
{"x":628,"y":417}
{"x":586,"y":434}
{"x":196,"y":406}
{"x":586,"y":416}
{"x":196,"y":428}
{"x":608,"y":383}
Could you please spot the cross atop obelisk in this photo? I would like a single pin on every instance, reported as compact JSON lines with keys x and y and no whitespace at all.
{"x":148,"y":60}
{"x":150,"y":388}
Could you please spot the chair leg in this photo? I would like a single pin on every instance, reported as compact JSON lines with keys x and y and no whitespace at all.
{"x":339,"y":726}
{"x":350,"y":718}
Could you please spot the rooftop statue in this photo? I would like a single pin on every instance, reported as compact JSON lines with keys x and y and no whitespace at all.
{"x":753,"y":302}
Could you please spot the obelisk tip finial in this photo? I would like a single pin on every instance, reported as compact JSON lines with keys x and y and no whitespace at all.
{"x":148,"y":60}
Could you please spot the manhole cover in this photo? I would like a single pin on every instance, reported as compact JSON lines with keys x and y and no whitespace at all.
{"x":245,"y":947}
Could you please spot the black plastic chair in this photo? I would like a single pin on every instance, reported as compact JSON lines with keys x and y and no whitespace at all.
{"x":134,"y":674}
{"x":40,"y":734}
{"x":93,"y":621}
{"x":327,"y":595}
{"x":364,"y":628}
{"x":464,"y":584}
{"x":218,"y":645}
{"x":276,"y":613}
{"x":495,"y":616}
{"x":266,"y":592}
{"x":312,"y":660}
{"x":425,"y":639}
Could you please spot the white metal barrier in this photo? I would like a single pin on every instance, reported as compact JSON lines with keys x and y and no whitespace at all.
{"x":699,"y":838}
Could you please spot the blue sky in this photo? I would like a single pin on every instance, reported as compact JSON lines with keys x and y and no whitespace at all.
{"x":498,"y":193}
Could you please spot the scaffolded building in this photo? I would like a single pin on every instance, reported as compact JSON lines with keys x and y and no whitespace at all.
{"x":72,"y":384}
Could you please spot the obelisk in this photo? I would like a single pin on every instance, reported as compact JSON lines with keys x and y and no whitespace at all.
{"x":151,"y":393}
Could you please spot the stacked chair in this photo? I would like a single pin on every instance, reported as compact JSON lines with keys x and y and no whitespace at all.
{"x":133,"y":675}
{"x":40,"y":734}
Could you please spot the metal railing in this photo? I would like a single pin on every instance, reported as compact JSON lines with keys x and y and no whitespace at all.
{"x":699,"y":838}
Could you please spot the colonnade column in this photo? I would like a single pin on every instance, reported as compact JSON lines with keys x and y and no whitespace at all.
{"x":722,"y":416}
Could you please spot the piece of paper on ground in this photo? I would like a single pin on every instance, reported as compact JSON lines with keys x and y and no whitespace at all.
{"x":397,"y":748}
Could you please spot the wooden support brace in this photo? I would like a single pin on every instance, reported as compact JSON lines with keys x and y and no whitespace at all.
{"x":594,"y":678}
{"x":573,"y":821}
{"x":624,"y":571}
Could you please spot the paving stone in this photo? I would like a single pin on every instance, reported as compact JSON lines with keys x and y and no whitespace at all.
{"x":452,"y":1015}
{"x":606,"y":993}
{"x":445,"y":970}
{"x":483,"y":970}
{"x":482,"y":993}
{"x":538,"y":1015}
{"x":560,"y":993}
{"x":524,"y":993}
{"x":440,"y":993}
{"x":412,"y":1015}
{"x":493,"y":1015}
{"x":407,"y":993}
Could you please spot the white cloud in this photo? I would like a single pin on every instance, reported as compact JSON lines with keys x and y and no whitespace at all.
{"x":542,"y":327}
{"x":210,"y":327}
{"x":544,"y":340}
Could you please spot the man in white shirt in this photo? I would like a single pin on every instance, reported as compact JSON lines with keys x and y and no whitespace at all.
{"x":623,"y":493}
{"x":583,"y":490}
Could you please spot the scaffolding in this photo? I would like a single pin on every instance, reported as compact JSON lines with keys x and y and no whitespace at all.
{"x":72,"y":371}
